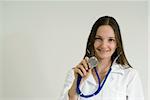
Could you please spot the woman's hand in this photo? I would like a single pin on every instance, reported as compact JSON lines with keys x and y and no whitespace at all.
{"x":83,"y":69}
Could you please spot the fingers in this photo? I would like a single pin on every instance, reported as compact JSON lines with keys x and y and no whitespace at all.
{"x":82,"y":68}
{"x":87,"y":61}
{"x":85,"y":64}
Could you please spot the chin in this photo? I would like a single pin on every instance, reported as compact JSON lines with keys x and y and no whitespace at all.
{"x":104,"y":57}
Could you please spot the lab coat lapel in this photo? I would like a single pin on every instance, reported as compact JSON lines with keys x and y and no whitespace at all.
{"x":91,"y":80}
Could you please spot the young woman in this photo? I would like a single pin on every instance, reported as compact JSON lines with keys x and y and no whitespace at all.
{"x":112,"y":78}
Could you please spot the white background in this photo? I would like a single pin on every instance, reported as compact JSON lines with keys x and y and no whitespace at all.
{"x":41,"y":41}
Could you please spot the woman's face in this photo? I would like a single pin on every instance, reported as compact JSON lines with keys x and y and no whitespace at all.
{"x":105,"y":42}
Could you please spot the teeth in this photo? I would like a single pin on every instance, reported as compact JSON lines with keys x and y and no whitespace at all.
{"x":103,"y":50}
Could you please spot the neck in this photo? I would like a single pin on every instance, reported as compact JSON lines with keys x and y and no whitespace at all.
{"x":104,"y":65}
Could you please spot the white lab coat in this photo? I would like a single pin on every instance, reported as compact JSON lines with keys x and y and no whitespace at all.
{"x":121,"y":84}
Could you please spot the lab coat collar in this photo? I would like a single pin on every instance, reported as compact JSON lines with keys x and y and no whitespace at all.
{"x":91,"y":79}
{"x":116,"y":69}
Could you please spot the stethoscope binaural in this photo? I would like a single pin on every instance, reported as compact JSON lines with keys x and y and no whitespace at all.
{"x":93,"y":63}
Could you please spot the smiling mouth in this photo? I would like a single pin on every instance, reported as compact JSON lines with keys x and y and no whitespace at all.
{"x":104,"y":51}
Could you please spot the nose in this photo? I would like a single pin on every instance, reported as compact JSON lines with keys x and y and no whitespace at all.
{"x":104,"y":44}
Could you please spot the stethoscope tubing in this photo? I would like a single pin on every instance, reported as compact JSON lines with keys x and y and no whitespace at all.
{"x":99,"y":86}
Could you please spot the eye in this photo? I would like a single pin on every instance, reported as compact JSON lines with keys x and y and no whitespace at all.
{"x":111,"y":40}
{"x":98,"y":39}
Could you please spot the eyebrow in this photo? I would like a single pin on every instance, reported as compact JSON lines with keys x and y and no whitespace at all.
{"x":101,"y":36}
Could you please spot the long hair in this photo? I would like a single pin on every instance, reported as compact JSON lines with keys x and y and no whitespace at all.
{"x":107,"y":20}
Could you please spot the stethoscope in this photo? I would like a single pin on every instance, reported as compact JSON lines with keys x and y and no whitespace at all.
{"x":93,"y":61}
{"x":99,"y":86}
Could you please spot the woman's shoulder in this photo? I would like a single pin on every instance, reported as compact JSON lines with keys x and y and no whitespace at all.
{"x":125,"y":69}
{"x":128,"y":74}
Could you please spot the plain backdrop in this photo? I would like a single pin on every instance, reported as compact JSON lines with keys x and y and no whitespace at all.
{"x":41,"y":41}
{"x":1,"y":47}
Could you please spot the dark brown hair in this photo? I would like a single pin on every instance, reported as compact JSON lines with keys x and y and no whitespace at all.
{"x":107,"y":20}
